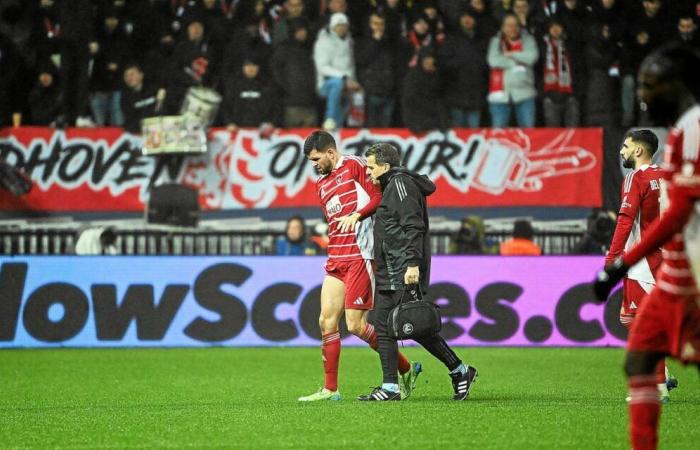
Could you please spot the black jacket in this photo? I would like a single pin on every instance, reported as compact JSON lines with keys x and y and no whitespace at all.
{"x":248,"y":102}
{"x":421,"y":105}
{"x":376,"y":63}
{"x":465,"y":72}
{"x":401,"y":231}
{"x":295,"y":74}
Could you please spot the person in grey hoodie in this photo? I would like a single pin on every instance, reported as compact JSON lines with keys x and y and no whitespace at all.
{"x":512,"y":54}
{"x":402,"y":259}
{"x":335,"y":68}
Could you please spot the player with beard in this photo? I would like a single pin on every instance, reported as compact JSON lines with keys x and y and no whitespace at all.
{"x":639,"y":208}
{"x":349,"y":198}
{"x":668,"y":322}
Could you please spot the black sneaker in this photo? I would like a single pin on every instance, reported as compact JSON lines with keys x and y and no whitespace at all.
{"x":380,"y":395}
{"x":462,"y":384}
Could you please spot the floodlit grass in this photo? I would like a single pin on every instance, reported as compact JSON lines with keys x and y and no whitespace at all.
{"x":241,"y":398}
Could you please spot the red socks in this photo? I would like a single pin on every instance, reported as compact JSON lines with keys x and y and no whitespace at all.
{"x":330,"y":351}
{"x":370,"y":336}
{"x":645,"y":410}
{"x":661,"y":372}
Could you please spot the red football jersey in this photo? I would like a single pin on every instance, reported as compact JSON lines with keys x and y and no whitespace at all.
{"x":348,"y":189}
{"x":639,"y":209}
{"x":677,"y":205}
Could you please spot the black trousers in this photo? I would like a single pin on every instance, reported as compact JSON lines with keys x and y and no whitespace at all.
{"x":384,"y":302}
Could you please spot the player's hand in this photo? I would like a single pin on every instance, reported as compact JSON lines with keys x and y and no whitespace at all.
{"x":607,"y":279}
{"x":412,"y":275}
{"x":349,"y":222}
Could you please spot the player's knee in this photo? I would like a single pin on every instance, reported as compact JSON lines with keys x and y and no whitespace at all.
{"x":355,"y":327}
{"x":327,"y":324}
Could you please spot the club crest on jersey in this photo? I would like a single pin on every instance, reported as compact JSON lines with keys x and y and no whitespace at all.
{"x":338,"y":179}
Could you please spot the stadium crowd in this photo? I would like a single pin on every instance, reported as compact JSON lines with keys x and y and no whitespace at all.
{"x":424,"y":65}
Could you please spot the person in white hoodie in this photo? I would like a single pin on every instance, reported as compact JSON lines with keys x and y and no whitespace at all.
{"x":335,"y":68}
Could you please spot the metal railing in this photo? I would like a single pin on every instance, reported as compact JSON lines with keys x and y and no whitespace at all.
{"x":49,"y":241}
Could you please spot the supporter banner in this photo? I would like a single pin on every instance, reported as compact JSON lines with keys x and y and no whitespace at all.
{"x":274,"y":301}
{"x":103,"y":169}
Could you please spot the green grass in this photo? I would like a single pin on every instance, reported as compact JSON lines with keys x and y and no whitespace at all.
{"x":242,"y":398}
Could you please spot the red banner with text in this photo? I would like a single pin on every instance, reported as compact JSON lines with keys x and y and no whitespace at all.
{"x":105,"y":170}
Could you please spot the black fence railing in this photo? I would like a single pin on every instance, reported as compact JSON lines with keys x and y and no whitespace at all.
{"x":48,"y":241}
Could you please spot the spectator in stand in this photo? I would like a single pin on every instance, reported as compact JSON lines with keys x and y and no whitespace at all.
{"x":149,"y":25}
{"x":421,"y":104}
{"x":560,"y":104}
{"x":471,"y":239}
{"x":194,"y":62}
{"x":610,"y":13}
{"x":249,"y":37}
{"x":216,"y":24}
{"x":335,"y":68}
{"x":635,"y":49}
{"x":417,"y":39}
{"x":654,"y":19}
{"x":293,"y":9}
{"x":45,"y":37}
{"x":332,"y":7}
{"x":599,"y":233}
{"x":294,"y":242}
{"x":43,"y":99}
{"x":394,"y":12}
{"x":501,"y":8}
{"x":76,"y":21}
{"x":521,"y":244}
{"x":486,"y":23}
{"x":436,"y":26}
{"x":376,"y":71}
{"x":106,"y":77}
{"x":248,"y":99}
{"x":138,"y":99}
{"x":521,"y":9}
{"x":575,"y":20}
{"x":687,"y":31}
{"x":602,"y":56}
{"x":295,"y":75}
{"x":462,"y":59}
{"x":511,"y":56}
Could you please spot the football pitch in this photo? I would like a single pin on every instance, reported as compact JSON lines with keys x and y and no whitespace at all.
{"x":525,"y":398}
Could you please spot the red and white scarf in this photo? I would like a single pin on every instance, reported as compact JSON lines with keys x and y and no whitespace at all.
{"x":496,"y":84}
{"x":557,"y":70}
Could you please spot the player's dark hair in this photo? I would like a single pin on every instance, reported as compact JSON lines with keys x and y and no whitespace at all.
{"x":646,"y":138}
{"x":318,"y":140}
{"x":384,"y":154}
